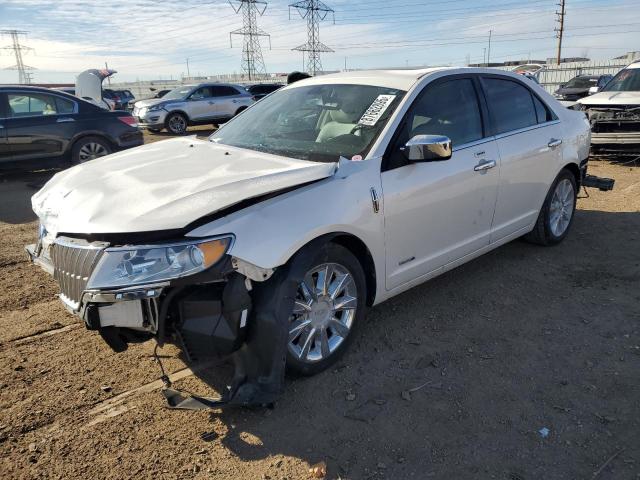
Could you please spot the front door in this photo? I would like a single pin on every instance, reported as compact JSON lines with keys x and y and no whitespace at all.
{"x":202,"y":105}
{"x":39,"y":125}
{"x":438,"y":212}
{"x":528,"y":136}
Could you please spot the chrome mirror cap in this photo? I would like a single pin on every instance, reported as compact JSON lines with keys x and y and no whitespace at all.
{"x":426,"y":148}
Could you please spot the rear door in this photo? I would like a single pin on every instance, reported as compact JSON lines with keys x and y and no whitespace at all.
{"x":39,"y":125}
{"x":5,"y":153}
{"x":228,"y":99}
{"x":529,"y":137}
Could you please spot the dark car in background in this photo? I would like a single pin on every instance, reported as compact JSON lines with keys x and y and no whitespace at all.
{"x":261,"y":90}
{"x":578,"y":87}
{"x":40,"y":126}
{"x":123,"y":99}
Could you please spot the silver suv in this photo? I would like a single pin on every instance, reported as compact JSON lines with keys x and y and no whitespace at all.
{"x":192,"y":105}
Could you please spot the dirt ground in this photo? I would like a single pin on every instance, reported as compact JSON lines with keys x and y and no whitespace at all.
{"x":523,"y":339}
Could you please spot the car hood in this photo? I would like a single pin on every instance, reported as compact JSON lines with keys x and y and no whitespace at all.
{"x":155,"y":101}
{"x":612,"y":98}
{"x":162,"y":186}
{"x":572,"y":91}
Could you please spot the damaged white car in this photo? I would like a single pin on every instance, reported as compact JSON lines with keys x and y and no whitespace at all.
{"x":614,"y":113}
{"x":269,"y":241}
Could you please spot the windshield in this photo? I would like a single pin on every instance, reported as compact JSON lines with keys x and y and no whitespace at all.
{"x":319,"y":122}
{"x":627,"y":80}
{"x":178,"y":93}
{"x":582,"y":82}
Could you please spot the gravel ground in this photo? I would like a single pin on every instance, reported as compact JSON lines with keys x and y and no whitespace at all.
{"x":522,"y":339}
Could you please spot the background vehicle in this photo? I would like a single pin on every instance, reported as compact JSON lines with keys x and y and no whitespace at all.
{"x":578,"y":87}
{"x":275,"y":245}
{"x":192,"y":105}
{"x":39,"y":126}
{"x":120,"y":98}
{"x":261,"y":90}
{"x":614,"y":112}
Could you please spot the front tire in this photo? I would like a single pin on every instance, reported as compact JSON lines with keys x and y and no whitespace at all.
{"x":556,"y":215}
{"x":329,"y":305}
{"x":176,"y":123}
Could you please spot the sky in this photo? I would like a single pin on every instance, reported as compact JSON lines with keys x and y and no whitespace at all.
{"x":149,"y":39}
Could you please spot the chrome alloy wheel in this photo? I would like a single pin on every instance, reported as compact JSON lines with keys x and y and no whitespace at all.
{"x":323,"y":313}
{"x":92,"y":150}
{"x":177,"y":124}
{"x":561,"y":208}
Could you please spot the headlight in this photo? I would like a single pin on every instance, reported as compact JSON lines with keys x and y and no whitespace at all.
{"x":127,"y":266}
{"x":155,"y":108}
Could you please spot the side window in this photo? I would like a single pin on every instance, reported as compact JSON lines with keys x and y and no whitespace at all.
{"x":64,"y":106}
{"x":542,"y":111}
{"x":31,"y":104}
{"x":199,"y":94}
{"x":224,"y":91}
{"x":511,"y":105}
{"x":449,"y":108}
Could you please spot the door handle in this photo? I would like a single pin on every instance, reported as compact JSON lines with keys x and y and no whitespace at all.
{"x":65,"y":120}
{"x":554,"y":142}
{"x":484,"y":165}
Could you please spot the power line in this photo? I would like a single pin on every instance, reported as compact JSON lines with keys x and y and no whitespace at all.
{"x":560,"y":30}
{"x":252,"y":61}
{"x":314,"y":11}
{"x":23,"y":75}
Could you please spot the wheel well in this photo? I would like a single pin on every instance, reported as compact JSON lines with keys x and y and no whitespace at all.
{"x":362,"y":253}
{"x":97,"y":135}
{"x":573,"y":168}
{"x":180,"y":112}
{"x":241,"y":109}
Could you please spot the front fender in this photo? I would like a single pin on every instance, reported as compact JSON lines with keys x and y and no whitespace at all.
{"x":267,"y":234}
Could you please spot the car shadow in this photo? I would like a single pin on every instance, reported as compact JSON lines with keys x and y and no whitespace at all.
{"x":16,"y":190}
{"x":454,"y":378}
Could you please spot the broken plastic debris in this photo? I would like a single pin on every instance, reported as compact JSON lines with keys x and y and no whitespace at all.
{"x":544,"y":432}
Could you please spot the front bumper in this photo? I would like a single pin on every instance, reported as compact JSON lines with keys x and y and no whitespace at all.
{"x":154,"y":119}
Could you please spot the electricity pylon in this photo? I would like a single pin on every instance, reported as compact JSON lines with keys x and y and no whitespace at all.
{"x":18,"y":49}
{"x":314,"y":11}
{"x":252,"y":61}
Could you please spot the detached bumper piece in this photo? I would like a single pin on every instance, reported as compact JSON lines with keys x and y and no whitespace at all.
{"x":601,"y":183}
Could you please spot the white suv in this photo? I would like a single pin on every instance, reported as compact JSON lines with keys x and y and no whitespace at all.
{"x":270,"y":240}
{"x":192,"y":105}
{"x":614,"y":112}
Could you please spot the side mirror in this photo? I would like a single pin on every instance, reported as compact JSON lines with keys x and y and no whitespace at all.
{"x":427,"y":148}
{"x":593,"y":90}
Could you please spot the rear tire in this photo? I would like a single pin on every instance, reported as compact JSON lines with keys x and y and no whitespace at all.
{"x":556,"y":215}
{"x":89,"y":148}
{"x":176,"y":123}
{"x":241,"y":109}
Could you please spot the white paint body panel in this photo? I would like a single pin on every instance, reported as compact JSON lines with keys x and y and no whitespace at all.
{"x":443,"y":213}
{"x":164,"y":185}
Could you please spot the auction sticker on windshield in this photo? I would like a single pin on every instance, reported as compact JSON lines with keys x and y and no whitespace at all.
{"x":375,"y":111}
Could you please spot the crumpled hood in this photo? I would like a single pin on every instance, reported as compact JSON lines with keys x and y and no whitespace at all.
{"x":612,"y":98}
{"x":164,"y":185}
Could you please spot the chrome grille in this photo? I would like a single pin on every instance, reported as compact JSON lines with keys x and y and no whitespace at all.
{"x":73,"y":262}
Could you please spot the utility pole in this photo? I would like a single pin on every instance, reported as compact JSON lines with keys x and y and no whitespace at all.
{"x":560,"y":29}
{"x":24,"y":76}
{"x":252,"y":61}
{"x":484,"y":57}
{"x":106,"y":66}
{"x":314,"y":11}
{"x":489,"y":50}
{"x":188,"y":72}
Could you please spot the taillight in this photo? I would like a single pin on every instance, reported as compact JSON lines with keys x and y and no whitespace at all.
{"x":131,"y":121}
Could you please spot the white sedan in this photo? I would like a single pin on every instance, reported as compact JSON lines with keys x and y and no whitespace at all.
{"x":269,"y":241}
